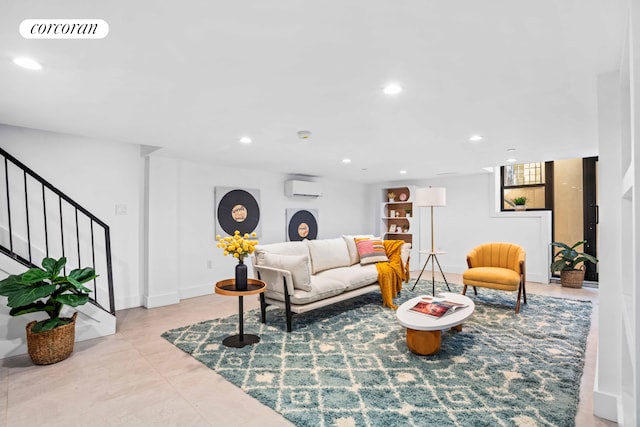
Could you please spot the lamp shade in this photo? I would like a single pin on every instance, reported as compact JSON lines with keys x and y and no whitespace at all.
{"x":431,"y":196}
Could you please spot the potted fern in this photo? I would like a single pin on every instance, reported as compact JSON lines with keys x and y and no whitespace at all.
{"x":566,"y":261}
{"x":45,"y":289}
{"x":520,"y":203}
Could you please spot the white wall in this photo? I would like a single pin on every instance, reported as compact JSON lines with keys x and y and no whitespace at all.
{"x":167,"y":252}
{"x":182,"y":221}
{"x":470,"y":219}
{"x":609,"y":252}
{"x":617,"y":384}
{"x":98,"y":175}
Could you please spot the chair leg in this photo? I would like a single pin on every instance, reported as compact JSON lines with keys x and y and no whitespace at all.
{"x":524,"y":291}
{"x":464,"y":290}
{"x":518,"y":300}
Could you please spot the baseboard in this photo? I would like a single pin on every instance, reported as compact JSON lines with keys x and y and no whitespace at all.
{"x":15,"y":347}
{"x":605,"y":405}
{"x":196,"y":291}
{"x":129,"y":302}
{"x":154,"y":301}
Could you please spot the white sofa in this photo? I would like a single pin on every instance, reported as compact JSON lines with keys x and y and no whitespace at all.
{"x":306,"y":275}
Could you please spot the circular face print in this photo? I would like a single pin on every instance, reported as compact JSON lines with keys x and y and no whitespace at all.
{"x":238,"y":210}
{"x":403,"y":197}
{"x":302,"y":225}
{"x":303,"y":230}
{"x":239,"y":213}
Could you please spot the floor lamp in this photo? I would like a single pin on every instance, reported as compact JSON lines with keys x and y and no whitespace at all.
{"x":430,"y":197}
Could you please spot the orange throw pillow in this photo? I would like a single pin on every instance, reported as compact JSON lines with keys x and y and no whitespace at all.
{"x":371,"y":251}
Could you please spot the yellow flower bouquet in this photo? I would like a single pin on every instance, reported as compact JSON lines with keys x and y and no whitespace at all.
{"x":237,"y":246}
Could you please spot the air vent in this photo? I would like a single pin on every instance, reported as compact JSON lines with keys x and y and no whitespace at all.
{"x":302,"y":188}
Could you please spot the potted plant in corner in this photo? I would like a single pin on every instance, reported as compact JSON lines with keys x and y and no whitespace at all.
{"x":44,"y":289}
{"x":520,"y":203}
{"x":566,"y":260}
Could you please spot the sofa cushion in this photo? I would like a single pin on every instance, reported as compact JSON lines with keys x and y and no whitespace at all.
{"x":354,"y":277}
{"x":371,"y":251}
{"x":492,"y":277}
{"x":354,"y":257}
{"x":298,"y":265}
{"x":285,"y":248}
{"x":322,"y":288}
{"x":327,"y":253}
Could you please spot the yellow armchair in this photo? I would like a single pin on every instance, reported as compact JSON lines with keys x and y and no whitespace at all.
{"x":497,"y":266}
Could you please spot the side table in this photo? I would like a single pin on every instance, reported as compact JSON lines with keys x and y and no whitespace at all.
{"x":228,"y":287}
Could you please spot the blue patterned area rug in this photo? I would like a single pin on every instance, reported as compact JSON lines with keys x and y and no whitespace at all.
{"x":348,"y":365}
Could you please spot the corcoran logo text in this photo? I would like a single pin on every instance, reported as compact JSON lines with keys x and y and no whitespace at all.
{"x":64,"y":28}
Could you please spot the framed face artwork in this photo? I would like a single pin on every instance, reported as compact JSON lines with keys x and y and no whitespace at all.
{"x":237,"y":209}
{"x":302,"y":224}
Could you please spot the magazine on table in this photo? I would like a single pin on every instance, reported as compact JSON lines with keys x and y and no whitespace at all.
{"x":435,"y":307}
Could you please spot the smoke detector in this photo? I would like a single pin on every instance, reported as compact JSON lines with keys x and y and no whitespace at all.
{"x":304,"y":134}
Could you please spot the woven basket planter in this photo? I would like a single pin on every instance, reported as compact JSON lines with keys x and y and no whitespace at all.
{"x":51,"y":346}
{"x":572,"y":278}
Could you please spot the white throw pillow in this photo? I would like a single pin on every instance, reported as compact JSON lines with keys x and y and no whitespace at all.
{"x":298,"y":265}
{"x":328,"y":253}
{"x":354,"y":257}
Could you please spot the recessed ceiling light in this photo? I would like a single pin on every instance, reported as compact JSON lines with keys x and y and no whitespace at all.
{"x":512,"y":160}
{"x":27,"y":63}
{"x":245,"y":140}
{"x":403,"y":172}
{"x":392,"y":89}
{"x":346,"y":160}
{"x":476,"y":138}
{"x":304,"y":134}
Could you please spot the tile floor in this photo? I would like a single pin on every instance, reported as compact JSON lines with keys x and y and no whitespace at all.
{"x":136,"y":378}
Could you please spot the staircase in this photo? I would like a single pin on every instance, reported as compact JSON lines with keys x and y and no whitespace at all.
{"x":36,"y":221}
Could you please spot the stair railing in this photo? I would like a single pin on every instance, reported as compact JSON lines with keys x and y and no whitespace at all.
{"x":38,"y":220}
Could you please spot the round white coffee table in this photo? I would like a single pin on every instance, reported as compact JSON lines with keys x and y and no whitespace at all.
{"x":424,"y":332}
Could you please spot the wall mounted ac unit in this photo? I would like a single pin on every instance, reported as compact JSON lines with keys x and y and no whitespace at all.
{"x":302,"y":188}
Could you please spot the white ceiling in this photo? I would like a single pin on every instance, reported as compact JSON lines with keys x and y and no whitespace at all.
{"x":192,"y":77}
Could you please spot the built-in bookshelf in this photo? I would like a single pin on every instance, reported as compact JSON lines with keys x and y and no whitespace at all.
{"x":397,"y":217}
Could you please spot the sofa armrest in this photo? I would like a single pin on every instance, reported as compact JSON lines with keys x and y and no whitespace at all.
{"x":275,"y":278}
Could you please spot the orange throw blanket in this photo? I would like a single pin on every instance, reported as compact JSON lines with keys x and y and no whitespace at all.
{"x":391,"y":274}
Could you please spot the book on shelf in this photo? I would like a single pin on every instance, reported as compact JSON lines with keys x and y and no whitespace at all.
{"x":436,"y":308}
